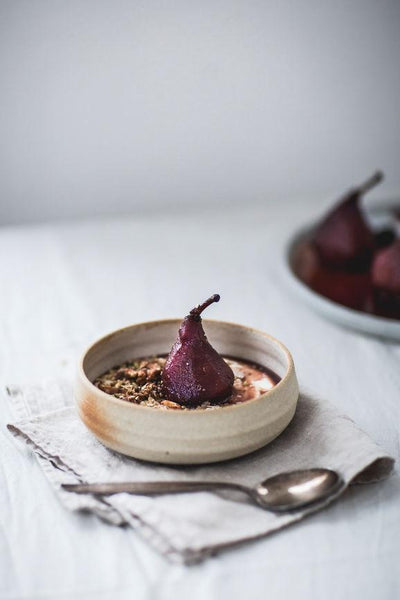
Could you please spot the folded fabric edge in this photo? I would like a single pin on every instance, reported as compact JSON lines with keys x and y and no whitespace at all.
{"x":51,"y":464}
{"x":105,"y":511}
{"x":193,"y":556}
{"x":379,"y":469}
{"x":53,"y":458}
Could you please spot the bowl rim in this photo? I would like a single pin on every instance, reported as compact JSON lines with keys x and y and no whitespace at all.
{"x":290,"y":370}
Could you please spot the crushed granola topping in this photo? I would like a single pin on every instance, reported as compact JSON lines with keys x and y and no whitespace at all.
{"x":140,"y":382}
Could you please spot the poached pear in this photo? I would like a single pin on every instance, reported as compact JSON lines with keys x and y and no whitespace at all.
{"x":343,"y":239}
{"x":194,"y":371}
{"x":385,"y":274}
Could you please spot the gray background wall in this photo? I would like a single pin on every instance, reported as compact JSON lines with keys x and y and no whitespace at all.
{"x":118,"y":106}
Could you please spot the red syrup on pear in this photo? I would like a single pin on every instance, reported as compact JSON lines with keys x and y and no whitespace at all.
{"x":194,"y":372}
{"x":192,"y":376}
{"x":349,"y":289}
{"x":335,"y":260}
{"x":343,"y":239}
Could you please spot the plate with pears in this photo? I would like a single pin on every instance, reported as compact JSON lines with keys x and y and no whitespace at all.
{"x":347,"y":265}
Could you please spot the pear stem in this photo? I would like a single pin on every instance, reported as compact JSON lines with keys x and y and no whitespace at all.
{"x":370,"y":183}
{"x":196,"y":312}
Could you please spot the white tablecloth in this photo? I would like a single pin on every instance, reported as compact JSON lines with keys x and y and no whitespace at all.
{"x":64,"y":285}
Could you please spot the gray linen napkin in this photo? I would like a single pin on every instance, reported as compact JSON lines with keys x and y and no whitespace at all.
{"x":188,"y":528}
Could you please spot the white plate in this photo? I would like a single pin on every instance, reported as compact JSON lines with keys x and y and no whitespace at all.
{"x":346,"y":317}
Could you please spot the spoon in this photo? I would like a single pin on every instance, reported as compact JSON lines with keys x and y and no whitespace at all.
{"x":286,"y":491}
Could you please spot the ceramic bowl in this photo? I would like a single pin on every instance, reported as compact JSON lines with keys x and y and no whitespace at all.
{"x":190,"y":436}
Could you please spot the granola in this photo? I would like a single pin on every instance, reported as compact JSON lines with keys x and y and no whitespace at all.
{"x":140,"y":382}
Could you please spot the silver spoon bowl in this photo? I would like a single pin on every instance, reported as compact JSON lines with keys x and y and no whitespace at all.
{"x":283,"y":492}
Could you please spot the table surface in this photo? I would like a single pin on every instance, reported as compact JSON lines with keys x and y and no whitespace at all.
{"x":66,"y":284}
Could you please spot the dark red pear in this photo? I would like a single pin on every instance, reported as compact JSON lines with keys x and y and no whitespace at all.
{"x":385,"y":274}
{"x":194,"y":371}
{"x":349,"y":289}
{"x":344,"y":287}
{"x":344,"y":239}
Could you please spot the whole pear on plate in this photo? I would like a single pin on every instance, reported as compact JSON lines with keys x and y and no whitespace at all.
{"x":194,"y":371}
{"x":345,"y":287}
{"x":343,"y":239}
{"x":385,"y":275}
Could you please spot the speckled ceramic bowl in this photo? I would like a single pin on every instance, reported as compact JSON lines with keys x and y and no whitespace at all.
{"x":191,"y":436}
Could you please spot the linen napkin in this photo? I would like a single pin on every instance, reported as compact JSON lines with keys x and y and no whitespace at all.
{"x":189,"y":527}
